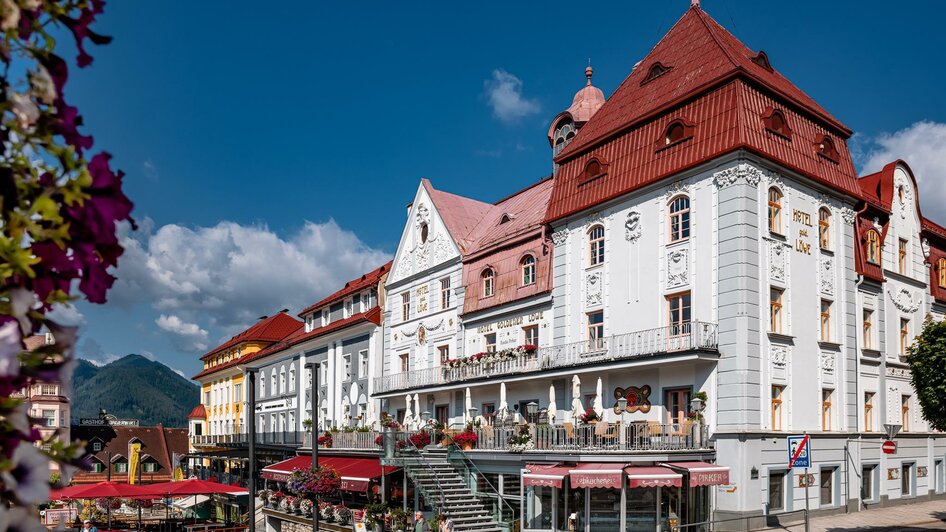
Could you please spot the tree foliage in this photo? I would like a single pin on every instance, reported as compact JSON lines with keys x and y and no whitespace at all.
{"x":927,"y":359}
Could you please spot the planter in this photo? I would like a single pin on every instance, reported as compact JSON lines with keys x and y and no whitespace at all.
{"x":467,"y":446}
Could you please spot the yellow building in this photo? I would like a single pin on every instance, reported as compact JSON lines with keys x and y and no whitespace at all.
{"x":216,"y":424}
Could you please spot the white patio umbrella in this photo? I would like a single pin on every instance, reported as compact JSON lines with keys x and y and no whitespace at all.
{"x":370,"y":416}
{"x":408,"y":415}
{"x":469,"y":405}
{"x":553,"y":408}
{"x":503,"y":405}
{"x":420,"y":418}
{"x":598,"y":406}
{"x":577,"y":409}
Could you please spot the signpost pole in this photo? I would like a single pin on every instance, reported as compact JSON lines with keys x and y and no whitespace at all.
{"x":807,"y":482}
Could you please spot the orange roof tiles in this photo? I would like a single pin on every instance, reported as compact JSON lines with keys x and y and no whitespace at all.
{"x":371,"y":278}
{"x":270,"y":329}
{"x":199,"y":412}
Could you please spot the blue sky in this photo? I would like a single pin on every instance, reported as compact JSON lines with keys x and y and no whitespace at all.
{"x":259,"y":139}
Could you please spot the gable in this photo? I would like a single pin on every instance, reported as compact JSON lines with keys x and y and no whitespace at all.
{"x":422,"y":249}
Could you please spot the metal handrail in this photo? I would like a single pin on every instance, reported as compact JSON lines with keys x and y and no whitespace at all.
{"x":432,"y":474}
{"x":688,"y":336}
{"x":470,"y":465}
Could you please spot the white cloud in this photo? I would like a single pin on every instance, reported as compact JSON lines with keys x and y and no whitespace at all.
{"x":185,"y":336}
{"x":66,"y":314}
{"x":212,"y":282}
{"x":923,"y":146}
{"x":504,"y":92}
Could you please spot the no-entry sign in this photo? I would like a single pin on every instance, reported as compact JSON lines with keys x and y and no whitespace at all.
{"x":889,"y":447}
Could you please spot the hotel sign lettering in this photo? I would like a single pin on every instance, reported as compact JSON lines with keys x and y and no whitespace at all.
{"x":510,"y":322}
{"x":804,"y":220}
{"x":99,"y":422}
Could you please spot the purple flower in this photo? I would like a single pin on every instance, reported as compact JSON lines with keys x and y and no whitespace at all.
{"x":9,"y":350}
{"x":28,"y":480}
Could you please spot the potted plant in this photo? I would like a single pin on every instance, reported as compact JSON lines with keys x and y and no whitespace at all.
{"x":466,"y":439}
{"x":307,"y":423}
{"x":342,"y":514}
{"x":590,"y":416}
{"x":264,"y":495}
{"x":522,"y":441}
{"x":374,"y":515}
{"x":325,"y":441}
{"x":420,"y":439}
{"x":326,"y":510}
{"x":285,"y":505}
{"x":305,"y":507}
{"x":398,"y":519}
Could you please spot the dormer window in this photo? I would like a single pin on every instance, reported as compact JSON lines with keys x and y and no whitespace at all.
{"x":775,"y":122}
{"x":873,"y":247}
{"x":677,"y":131}
{"x":941,"y":272}
{"x":489,"y":282}
{"x":655,"y":71}
{"x":826,"y":148}
{"x":762,"y":59}
{"x":528,"y":270}
{"x":594,"y":168}
{"x":504,"y":219}
{"x":563,"y":135}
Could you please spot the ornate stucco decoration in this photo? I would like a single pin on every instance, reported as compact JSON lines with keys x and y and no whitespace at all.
{"x":595,"y":218}
{"x":678,"y":187}
{"x":560,"y":237}
{"x":730,"y":176}
{"x":903,"y":191}
{"x":898,"y":372}
{"x":848,"y":215}
{"x":421,"y":331}
{"x":827,"y":276}
{"x":904,"y":300}
{"x":827,"y":362}
{"x":593,"y":290}
{"x":925,"y":246}
{"x":632,"y":226}
{"x":779,"y":356}
{"x":777,"y":260}
{"x":677,"y":267}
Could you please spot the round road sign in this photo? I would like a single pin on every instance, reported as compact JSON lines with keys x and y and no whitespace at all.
{"x":889,"y":447}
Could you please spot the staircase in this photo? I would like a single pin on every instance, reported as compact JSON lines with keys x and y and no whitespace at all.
{"x":439,"y":481}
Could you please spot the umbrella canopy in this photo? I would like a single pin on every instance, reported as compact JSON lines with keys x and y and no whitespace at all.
{"x":186,"y":488}
{"x":599,"y":406}
{"x":503,"y":405}
{"x":469,"y":404}
{"x":420,"y":418}
{"x":105,"y":489}
{"x":372,"y":417}
{"x":577,"y":409}
{"x":553,"y":408}
{"x":408,"y":415}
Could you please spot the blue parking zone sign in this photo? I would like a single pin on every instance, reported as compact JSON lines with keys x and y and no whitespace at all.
{"x":799,"y":451}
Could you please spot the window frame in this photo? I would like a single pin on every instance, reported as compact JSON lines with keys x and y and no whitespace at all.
{"x":405,"y":362}
{"x":941,"y":272}
{"x":678,"y":220}
{"x":489,"y":342}
{"x":831,"y":486}
{"x":869,"y":410}
{"x":594,"y":330}
{"x":684,"y":300}
{"x":776,"y":310}
{"x":776,"y":211}
{"x":902,"y":255}
{"x":783,"y":475}
{"x":527,"y":266}
{"x":867,"y":327}
{"x":673,"y":395}
{"x":525,"y":334}
{"x":905,"y":412}
{"x":827,"y":410}
{"x":824,"y":228}
{"x":596,"y":251}
{"x":826,"y":311}
{"x":443,"y":352}
{"x":873,"y":247}
{"x":777,"y":403}
{"x":904,"y":335}
{"x":406,"y":306}
{"x":488,"y":280}
{"x":444,"y":293}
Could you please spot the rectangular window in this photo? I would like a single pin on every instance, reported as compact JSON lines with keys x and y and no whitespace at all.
{"x":827,"y":487}
{"x":207,"y":398}
{"x":826,"y":412}
{"x":867,"y":482}
{"x":149,"y":467}
{"x":347,"y":362}
{"x":349,"y":308}
{"x":678,"y":309}
{"x":97,"y":467}
{"x":530,"y":335}
{"x":323,"y":373}
{"x":488,"y":411}
{"x":775,"y":309}
{"x":906,"y":480}
{"x":596,"y":328}
{"x":596,"y":245}
{"x":677,"y":402}
{"x":445,"y":293}
{"x":96,"y":446}
{"x":825,"y":320}
{"x":49,"y":418}
{"x":868,"y":411}
{"x":777,"y":392}
{"x":490,"y":341}
{"x":868,"y":329}
{"x":905,"y":413}
{"x":405,"y":362}
{"x":121,"y":467}
{"x":405,"y":306}
{"x":902,"y":256}
{"x":238,"y":392}
{"x":442,"y":413}
{"x":776,"y":490}
{"x":444,"y":351}
{"x":904,"y":336}
{"x":363,"y":363}
{"x":49,"y":389}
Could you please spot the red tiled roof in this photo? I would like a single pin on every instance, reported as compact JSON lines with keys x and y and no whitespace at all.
{"x":270,"y":329}
{"x":159,"y":443}
{"x":298,"y":336}
{"x":713,"y":84}
{"x":199,"y":412}
{"x":371,"y":278}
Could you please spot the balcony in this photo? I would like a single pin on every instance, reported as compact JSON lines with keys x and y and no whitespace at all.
{"x":291,"y":438}
{"x":692,"y":336}
{"x":601,"y":437}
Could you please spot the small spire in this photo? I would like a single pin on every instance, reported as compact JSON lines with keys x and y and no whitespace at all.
{"x":695,"y":3}
{"x":589,"y":71}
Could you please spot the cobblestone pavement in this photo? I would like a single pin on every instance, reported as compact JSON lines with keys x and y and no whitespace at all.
{"x":906,"y":518}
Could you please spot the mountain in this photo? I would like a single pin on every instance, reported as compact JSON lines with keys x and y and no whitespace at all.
{"x":133,"y":387}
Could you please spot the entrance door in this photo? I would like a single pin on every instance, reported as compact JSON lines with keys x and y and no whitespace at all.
{"x":442,"y":414}
{"x":641,"y":510}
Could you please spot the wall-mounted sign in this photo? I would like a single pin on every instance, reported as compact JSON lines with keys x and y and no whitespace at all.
{"x":535,"y":317}
{"x":803,"y":219}
{"x":920,"y":471}
{"x":893,"y":473}
{"x":806,"y":480}
{"x":638,"y":399}
{"x":113,"y":422}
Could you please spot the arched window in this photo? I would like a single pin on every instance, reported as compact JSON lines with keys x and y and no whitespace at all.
{"x":489,"y":282}
{"x":675,"y":133}
{"x":262,"y":383}
{"x":941,"y":266}
{"x":282,"y":380}
{"x":655,"y":71}
{"x":824,"y":227}
{"x":775,"y":211}
{"x":292,"y":377}
{"x":528,"y":270}
{"x":563,"y":134}
{"x":424,"y":230}
{"x":827,"y":149}
{"x":679,"y":218}
{"x":272,"y":383}
{"x":873,"y":247}
{"x":775,"y":122}
{"x":596,"y":245}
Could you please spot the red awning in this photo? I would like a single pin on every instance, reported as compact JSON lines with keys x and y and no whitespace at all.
{"x":702,"y":473}
{"x":652,"y":477}
{"x":551,"y":475}
{"x":596,"y":475}
{"x":355,"y":472}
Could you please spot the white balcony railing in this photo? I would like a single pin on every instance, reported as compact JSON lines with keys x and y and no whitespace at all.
{"x":673,"y":339}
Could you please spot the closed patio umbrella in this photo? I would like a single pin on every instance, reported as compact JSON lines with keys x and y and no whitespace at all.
{"x":408,"y":415}
{"x":503,"y":405}
{"x":598,"y":406}
{"x":553,"y":408}
{"x":469,"y":405}
{"x":420,"y":419}
{"x":577,"y":409}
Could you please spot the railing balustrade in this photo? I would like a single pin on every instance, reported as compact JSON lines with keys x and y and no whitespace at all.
{"x":340,"y":440}
{"x":637,"y":436}
{"x":685,"y":337}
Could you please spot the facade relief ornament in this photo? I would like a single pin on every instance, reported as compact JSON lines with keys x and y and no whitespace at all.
{"x":677,"y":267}
{"x":678,"y":187}
{"x":593,"y":289}
{"x":827,"y":362}
{"x":848,"y":215}
{"x":779,"y":355}
{"x":827,"y":276}
{"x":777,"y":260}
{"x":730,"y":176}
{"x":925,"y":246}
{"x":560,"y":237}
{"x":632,"y":226}
{"x":904,"y":300}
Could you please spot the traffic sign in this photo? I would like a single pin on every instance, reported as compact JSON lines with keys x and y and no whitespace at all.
{"x":889,"y":447}
{"x":799,"y":451}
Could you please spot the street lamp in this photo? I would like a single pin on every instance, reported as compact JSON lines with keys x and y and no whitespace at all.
{"x":531,"y":409}
{"x":472,"y":413}
{"x":425,"y":417}
{"x":622,"y":406}
{"x":313,"y":431}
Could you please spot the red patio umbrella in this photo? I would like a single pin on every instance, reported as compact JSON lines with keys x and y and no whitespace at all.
{"x":185,"y":488}
{"x":105,"y":489}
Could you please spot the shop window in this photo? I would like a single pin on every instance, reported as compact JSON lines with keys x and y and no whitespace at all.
{"x":777,"y":490}
{"x":873,"y":247}
{"x":596,"y":245}
{"x":679,"y":218}
{"x":775,"y":211}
